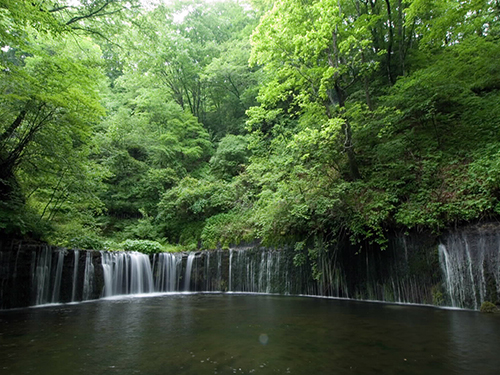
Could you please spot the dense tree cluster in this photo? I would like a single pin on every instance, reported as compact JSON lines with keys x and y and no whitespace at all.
{"x":204,"y":124}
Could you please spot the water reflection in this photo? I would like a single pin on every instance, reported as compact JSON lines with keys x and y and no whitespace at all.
{"x":227,"y":334}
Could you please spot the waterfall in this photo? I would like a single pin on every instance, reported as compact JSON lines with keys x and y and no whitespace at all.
{"x":41,"y":276}
{"x":17,"y":259}
{"x":460,"y":269}
{"x":58,"y":276}
{"x":219,"y":270}
{"x":470,"y":262}
{"x":75,"y":275}
{"x":107,"y":269}
{"x":259,"y":271}
{"x":230,"y":278}
{"x":167,"y":270}
{"x":448,"y":270}
{"x":189,"y":267}
{"x":88,"y":278}
{"x":126,"y":273}
{"x":207,"y":271}
{"x":46,"y":283}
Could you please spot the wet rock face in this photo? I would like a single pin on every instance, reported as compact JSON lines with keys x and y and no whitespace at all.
{"x":470,"y":264}
{"x":15,"y":278}
{"x":35,"y":274}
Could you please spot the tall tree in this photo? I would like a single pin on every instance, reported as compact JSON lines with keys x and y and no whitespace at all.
{"x":51,"y":77}
{"x":315,"y":64}
{"x":196,"y":50}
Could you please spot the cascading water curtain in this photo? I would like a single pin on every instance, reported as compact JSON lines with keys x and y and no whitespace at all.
{"x":88,"y":277}
{"x":126,"y":273}
{"x":167,"y":268}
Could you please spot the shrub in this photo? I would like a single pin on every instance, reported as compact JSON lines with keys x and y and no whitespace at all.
{"x":488,"y":307}
{"x":224,"y":229}
{"x":142,"y":246}
{"x":437,"y":295}
{"x":87,"y":242}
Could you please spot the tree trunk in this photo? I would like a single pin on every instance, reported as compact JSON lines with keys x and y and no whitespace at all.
{"x":390,"y":44}
{"x":351,"y":156}
{"x":334,"y":61}
{"x":15,"y":124}
{"x":401,"y":38}
{"x":348,"y":144}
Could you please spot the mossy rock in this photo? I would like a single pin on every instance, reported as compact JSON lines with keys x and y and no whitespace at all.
{"x":488,"y":307}
{"x":437,"y":295}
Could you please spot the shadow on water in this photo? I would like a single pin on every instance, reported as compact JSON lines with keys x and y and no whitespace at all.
{"x":245,"y":334}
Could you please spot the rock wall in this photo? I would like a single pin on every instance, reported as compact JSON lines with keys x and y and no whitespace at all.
{"x":36,"y":274}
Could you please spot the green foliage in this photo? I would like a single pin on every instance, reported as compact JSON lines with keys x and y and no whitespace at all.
{"x":200,"y":62}
{"x":148,"y":145}
{"x":45,"y":135}
{"x":489,"y":308}
{"x":142,"y":246}
{"x":88,"y":242}
{"x":352,"y":119}
{"x":184,"y":208}
{"x":17,"y":220}
{"x":437,"y":296}
{"x":225,"y":229}
{"x":190,"y":234}
{"x":230,"y":158}
{"x":299,"y":259}
{"x":76,"y":234}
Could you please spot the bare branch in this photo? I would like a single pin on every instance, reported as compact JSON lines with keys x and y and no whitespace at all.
{"x":94,"y":13}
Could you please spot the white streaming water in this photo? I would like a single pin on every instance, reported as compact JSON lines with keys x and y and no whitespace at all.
{"x":189,"y":267}
{"x":88,"y":278}
{"x":230,"y":270}
{"x":41,"y":277}
{"x":448,"y":271}
{"x":470,"y":262}
{"x":107,"y":268}
{"x":167,"y":270}
{"x":75,"y":275}
{"x":57,"y":280}
{"x":208,"y":278}
{"x":17,"y":258}
{"x":126,"y":273}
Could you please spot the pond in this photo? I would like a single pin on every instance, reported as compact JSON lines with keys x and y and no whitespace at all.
{"x":246,"y":334}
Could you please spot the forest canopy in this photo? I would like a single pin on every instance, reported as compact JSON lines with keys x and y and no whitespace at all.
{"x":197,"y":124}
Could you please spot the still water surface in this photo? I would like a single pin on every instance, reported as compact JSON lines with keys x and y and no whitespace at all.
{"x":246,"y":334}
